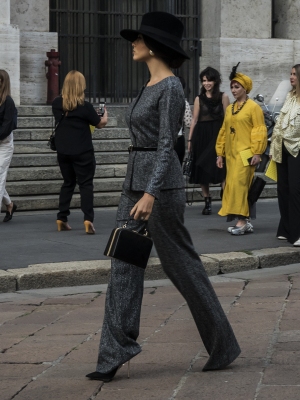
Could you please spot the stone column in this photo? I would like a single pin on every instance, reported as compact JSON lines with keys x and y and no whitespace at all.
{"x":10,"y":49}
{"x":240,"y":30}
{"x":32,"y":17}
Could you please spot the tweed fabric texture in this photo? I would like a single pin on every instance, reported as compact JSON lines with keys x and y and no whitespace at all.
{"x":287,"y":129}
{"x":155,"y":117}
{"x":183,"y":266}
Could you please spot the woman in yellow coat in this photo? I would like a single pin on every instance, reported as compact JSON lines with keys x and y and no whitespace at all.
{"x":243,"y":129}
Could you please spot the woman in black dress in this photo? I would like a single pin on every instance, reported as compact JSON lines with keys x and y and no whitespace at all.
{"x":208,"y":115}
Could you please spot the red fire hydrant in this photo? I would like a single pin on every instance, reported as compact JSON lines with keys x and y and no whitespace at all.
{"x":52,"y":75}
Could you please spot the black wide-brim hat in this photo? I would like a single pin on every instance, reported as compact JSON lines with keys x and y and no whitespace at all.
{"x":162,"y":27}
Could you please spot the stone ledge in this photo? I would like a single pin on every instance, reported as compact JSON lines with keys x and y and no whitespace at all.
{"x":277,"y":256}
{"x":234,"y":261}
{"x":39,"y":276}
{"x":7,"y":282}
{"x":77,"y":273}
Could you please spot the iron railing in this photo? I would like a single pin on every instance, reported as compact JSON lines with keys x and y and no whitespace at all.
{"x":89,"y":41}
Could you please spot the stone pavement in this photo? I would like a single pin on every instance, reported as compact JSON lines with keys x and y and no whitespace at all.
{"x":49,"y":341}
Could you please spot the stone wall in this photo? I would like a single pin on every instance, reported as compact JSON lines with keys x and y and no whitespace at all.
{"x":245,"y":36}
{"x":32,"y":17}
{"x":287,"y":12}
{"x":9,"y":49}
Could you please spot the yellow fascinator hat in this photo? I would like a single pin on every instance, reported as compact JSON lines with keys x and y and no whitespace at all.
{"x":242,"y":79}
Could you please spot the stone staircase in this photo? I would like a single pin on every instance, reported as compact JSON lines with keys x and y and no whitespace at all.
{"x":34,"y":178}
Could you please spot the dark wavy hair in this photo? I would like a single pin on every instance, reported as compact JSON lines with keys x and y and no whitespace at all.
{"x":211,"y":74}
{"x":297,"y":69}
{"x":170,"y":57}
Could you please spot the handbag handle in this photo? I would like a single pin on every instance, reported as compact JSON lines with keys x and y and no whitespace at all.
{"x":146,"y":233}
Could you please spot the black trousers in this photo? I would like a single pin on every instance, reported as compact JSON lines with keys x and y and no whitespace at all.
{"x":288,"y":189}
{"x":183,"y":266}
{"x":180,"y":148}
{"x":78,"y":168}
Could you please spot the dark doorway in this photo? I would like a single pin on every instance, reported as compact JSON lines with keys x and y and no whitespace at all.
{"x":89,"y":41}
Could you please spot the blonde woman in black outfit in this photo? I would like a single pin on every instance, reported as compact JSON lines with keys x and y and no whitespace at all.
{"x":153,"y":191}
{"x":7,"y":124}
{"x":75,"y":152}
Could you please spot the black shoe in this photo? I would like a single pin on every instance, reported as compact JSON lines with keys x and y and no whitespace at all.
{"x":98,"y":376}
{"x":207,"y":209}
{"x":8,"y":216}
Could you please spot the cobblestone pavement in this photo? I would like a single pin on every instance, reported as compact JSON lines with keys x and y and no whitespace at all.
{"x":49,"y":341}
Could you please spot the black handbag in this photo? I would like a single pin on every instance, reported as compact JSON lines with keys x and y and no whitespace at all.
{"x":51,"y":141}
{"x":129,"y":246}
{"x":256,"y":189}
{"x":187,"y":164}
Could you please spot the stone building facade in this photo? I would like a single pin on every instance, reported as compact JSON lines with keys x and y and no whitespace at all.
{"x":231,"y":31}
{"x":24,"y":41}
{"x":262,"y":34}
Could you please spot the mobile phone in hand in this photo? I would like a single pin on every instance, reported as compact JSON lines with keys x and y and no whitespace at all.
{"x":101,"y":109}
{"x":249,"y":160}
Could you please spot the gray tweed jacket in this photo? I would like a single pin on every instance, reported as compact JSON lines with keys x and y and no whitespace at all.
{"x":154,"y":119}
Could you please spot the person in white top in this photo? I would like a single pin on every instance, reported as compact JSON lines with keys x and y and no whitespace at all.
{"x":7,"y":124}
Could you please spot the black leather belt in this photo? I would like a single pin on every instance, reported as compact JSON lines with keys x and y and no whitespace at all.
{"x":133,"y":148}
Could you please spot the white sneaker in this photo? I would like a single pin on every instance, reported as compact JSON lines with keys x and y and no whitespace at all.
{"x":241,"y":230}
{"x":297,"y":244}
{"x":281,"y":238}
{"x":250,"y":228}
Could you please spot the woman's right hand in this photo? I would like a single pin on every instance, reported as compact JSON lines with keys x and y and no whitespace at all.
{"x":220,"y":162}
{"x":103,"y":120}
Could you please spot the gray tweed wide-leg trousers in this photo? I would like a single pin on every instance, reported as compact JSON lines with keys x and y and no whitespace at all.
{"x":184,"y":268}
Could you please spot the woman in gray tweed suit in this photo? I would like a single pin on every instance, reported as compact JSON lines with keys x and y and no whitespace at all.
{"x":154,"y":191}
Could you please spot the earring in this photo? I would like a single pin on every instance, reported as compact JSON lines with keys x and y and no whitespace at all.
{"x":151,"y":53}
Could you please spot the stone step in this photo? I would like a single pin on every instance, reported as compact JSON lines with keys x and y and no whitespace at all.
{"x":31,"y":147}
{"x":50,"y":159}
{"x":116,"y":112}
{"x":43,"y":134}
{"x":34,"y":110}
{"x":30,"y":188}
{"x":195,"y":193}
{"x":48,"y":122}
{"x":50,"y":202}
{"x":52,"y":173}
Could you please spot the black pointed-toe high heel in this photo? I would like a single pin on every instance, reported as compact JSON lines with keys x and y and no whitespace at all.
{"x":99,"y":376}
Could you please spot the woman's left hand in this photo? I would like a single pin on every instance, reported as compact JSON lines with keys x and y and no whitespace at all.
{"x":143,"y":208}
{"x":255,"y":159}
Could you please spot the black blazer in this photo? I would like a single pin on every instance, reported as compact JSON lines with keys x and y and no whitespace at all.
{"x":154,"y":119}
{"x":8,"y":116}
{"x":73,"y":135}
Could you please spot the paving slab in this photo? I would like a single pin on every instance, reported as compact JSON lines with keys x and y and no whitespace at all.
{"x":54,"y":342}
{"x":278,"y":392}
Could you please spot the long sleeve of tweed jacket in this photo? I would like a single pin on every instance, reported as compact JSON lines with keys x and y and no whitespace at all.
{"x":154,"y":118}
